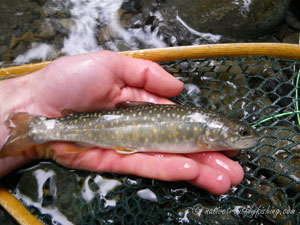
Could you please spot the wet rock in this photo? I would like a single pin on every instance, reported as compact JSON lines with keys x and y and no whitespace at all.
{"x":292,"y":20}
{"x":14,"y":41}
{"x":237,"y":19}
{"x":47,"y":31}
{"x":66,"y":24}
{"x":41,"y":2}
{"x":292,"y":39}
{"x":27,"y":36}
{"x":3,"y":49}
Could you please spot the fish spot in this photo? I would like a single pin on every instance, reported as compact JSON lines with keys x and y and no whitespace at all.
{"x":153,"y":119}
{"x":140,"y":113}
{"x":154,"y":131}
{"x":168,"y":114}
{"x":75,"y":121}
{"x":103,"y":127}
{"x":146,"y":139}
{"x":158,"y":115}
{"x":84,"y":119}
{"x":179,"y":127}
{"x":183,"y":117}
{"x":195,"y":128}
{"x":164,"y":111}
{"x":134,"y":114}
{"x":145,"y":117}
{"x":150,"y":111}
{"x":97,"y":126}
{"x":176,"y":133}
{"x":90,"y":124}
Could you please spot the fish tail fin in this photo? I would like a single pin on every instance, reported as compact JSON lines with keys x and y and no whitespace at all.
{"x":18,"y":139}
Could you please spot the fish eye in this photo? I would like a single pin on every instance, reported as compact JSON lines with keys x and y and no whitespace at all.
{"x":244,"y":132}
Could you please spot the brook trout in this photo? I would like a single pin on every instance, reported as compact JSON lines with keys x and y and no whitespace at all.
{"x":134,"y":127}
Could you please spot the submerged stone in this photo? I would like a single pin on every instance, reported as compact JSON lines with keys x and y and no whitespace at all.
{"x":235,"y":19}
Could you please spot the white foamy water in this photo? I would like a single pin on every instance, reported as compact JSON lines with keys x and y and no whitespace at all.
{"x":147,"y":194}
{"x":207,"y":36}
{"x":38,"y":51}
{"x":105,"y":186}
{"x":41,"y":177}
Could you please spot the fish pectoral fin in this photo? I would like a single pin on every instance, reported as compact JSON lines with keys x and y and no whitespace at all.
{"x":66,"y":112}
{"x":129,"y":104}
{"x":123,"y":150}
{"x":201,"y":143}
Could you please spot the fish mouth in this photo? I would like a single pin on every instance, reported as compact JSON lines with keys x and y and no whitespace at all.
{"x":246,"y":143}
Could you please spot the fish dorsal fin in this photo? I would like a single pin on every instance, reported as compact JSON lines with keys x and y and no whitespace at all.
{"x":129,"y":104}
{"x":66,"y":112}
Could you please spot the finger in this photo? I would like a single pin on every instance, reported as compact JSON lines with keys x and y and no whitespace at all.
{"x":231,"y":153}
{"x":222,"y":163}
{"x":9,"y":163}
{"x":171,"y":168}
{"x":148,"y":75}
{"x":139,"y":94}
{"x":213,"y":180}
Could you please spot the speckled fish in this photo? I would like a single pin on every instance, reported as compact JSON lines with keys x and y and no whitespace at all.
{"x":134,"y":127}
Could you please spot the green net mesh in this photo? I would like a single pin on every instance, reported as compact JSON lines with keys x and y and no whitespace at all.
{"x":251,"y":89}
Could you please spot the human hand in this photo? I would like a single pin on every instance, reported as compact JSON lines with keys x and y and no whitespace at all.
{"x":99,"y":80}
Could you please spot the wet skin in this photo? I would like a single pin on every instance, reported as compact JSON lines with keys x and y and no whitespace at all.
{"x":92,"y":82}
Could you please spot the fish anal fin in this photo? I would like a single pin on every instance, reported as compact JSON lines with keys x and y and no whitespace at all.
{"x":124,"y":150}
{"x":129,"y":104}
{"x":18,"y":140}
